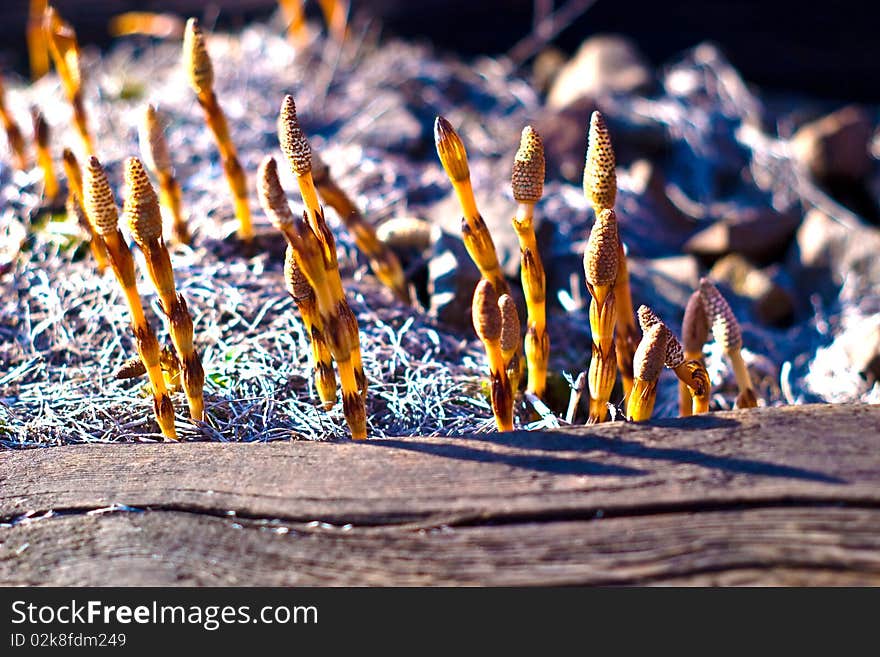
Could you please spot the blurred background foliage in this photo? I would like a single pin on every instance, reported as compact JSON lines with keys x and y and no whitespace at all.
{"x":822,"y":49}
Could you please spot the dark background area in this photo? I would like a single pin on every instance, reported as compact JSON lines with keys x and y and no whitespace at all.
{"x":822,"y":49}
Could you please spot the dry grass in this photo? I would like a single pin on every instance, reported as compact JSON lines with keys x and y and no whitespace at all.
{"x":64,"y":332}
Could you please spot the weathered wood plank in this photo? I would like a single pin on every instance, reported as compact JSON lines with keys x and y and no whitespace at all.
{"x":812,"y":453}
{"x":784,"y":546}
{"x":773,"y":496}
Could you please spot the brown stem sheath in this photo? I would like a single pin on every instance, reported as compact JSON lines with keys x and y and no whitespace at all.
{"x":312,"y":255}
{"x":693,"y":378}
{"x":44,"y":155}
{"x":64,"y":49}
{"x":475,"y":233}
{"x":75,"y":189}
{"x":600,"y":269}
{"x":197,"y":62}
{"x":489,"y":324}
{"x":527,"y":183}
{"x":13,"y":133}
{"x":728,"y":334}
{"x":296,"y":148}
{"x":102,"y":212}
{"x":38,"y":49}
{"x":145,"y":221}
{"x":157,"y":158}
{"x":627,"y":332}
{"x":648,"y":362}
{"x":232,"y":169}
{"x":383,"y":262}
{"x":304,"y":296}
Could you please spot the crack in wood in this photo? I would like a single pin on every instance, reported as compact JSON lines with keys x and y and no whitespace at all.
{"x":479,"y":519}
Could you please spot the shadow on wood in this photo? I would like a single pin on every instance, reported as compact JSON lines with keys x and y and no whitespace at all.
{"x":584,"y":441}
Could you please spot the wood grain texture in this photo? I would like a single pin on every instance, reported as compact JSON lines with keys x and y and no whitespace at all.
{"x":770,"y":496}
{"x":790,"y":546}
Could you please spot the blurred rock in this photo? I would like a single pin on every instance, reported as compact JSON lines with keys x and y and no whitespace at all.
{"x":862,"y":347}
{"x":706,"y":80}
{"x":836,"y":146}
{"x":641,"y":178}
{"x":828,"y":255}
{"x":546,"y":67}
{"x":684,"y":270}
{"x":818,"y":241}
{"x":12,"y":237}
{"x":452,"y":278}
{"x":664,"y":284}
{"x":760,"y":233}
{"x":394,"y":129}
{"x":408,"y":234}
{"x":875,"y":144}
{"x":650,"y":224}
{"x":603,"y":64}
{"x":771,"y":303}
{"x":566,"y":284}
{"x":452,"y":275}
{"x":564,"y":132}
{"x":412,"y":240}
